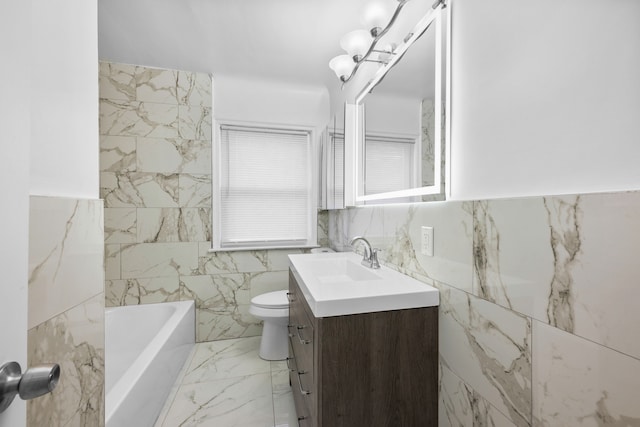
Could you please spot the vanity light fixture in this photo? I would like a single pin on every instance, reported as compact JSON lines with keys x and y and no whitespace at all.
{"x":376,"y":16}
{"x":360,"y":45}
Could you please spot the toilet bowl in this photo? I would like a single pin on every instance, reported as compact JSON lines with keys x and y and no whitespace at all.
{"x":273,"y":309}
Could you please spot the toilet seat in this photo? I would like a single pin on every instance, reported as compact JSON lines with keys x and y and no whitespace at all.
{"x":271,"y":300}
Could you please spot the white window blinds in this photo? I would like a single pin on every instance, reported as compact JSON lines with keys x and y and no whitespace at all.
{"x":389,"y":164}
{"x":264,"y":195}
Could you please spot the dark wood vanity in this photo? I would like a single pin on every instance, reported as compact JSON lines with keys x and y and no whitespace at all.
{"x":363,"y":370}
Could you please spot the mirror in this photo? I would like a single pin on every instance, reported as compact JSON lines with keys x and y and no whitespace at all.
{"x":332,"y":165}
{"x":401,"y":144}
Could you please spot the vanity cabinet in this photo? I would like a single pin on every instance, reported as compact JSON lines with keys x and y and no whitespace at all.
{"x":372,"y":369}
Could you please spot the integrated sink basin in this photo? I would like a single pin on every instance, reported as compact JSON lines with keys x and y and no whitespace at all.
{"x":340,"y":270}
{"x":336,"y":284}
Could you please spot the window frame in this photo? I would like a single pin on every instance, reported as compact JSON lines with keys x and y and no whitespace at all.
{"x":216,"y":205}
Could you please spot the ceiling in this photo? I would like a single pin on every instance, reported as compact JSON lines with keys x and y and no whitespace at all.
{"x":284,"y":40}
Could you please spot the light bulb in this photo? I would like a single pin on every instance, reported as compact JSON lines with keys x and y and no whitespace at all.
{"x":342,"y":65}
{"x":356,"y":43}
{"x":377,"y":16}
{"x":386,"y":53}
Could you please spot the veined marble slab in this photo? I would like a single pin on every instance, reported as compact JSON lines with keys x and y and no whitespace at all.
{"x":120,"y":225}
{"x":112,"y":262}
{"x":581,"y":383}
{"x":117,"y":153}
{"x":569,"y":261}
{"x":489,"y":348}
{"x":195,"y":191}
{"x":232,"y":262}
{"x":226,"y":359}
{"x":194,"y":122}
{"x":173,"y":155}
{"x":224,"y":402}
{"x":513,"y":260}
{"x":173,"y":225}
{"x":222,"y":305}
{"x":452,"y":260}
{"x":269,"y":281}
{"x":221,"y":291}
{"x":117,"y":81}
{"x":226,"y":322}
{"x":141,"y":291}
{"x":136,"y":189}
{"x":323,"y":228}
{"x":194,"y":89}
{"x":131,"y":82}
{"x":460,"y":405}
{"x":66,"y":254}
{"x":74,"y":340}
{"x":159,"y":260}
{"x":134,"y":118}
{"x":156,"y":85}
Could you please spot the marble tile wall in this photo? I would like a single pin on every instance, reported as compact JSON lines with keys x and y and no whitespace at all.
{"x":538,"y":325}
{"x":66,"y":308}
{"x":155,"y":162}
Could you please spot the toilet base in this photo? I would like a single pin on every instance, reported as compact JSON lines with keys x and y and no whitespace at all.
{"x":274,"y":342}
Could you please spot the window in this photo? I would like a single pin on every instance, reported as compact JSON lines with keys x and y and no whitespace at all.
{"x":389,"y":164}
{"x":263,"y":194}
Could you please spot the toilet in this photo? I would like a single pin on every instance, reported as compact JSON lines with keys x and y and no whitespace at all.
{"x":273,"y":309}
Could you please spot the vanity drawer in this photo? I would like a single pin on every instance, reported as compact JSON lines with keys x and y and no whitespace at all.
{"x":302,"y":341}
{"x":302,"y":407}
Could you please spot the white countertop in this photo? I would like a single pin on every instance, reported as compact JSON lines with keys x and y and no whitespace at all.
{"x":336,"y":284}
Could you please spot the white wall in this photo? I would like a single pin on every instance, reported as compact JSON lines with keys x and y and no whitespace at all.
{"x":15,"y":45}
{"x":64,"y":99}
{"x":546,"y":97}
{"x":239,"y":99}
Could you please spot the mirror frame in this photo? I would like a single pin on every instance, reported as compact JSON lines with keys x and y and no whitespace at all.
{"x":354,"y":155}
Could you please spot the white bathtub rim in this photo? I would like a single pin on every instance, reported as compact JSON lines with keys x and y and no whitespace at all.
{"x":132,"y":375}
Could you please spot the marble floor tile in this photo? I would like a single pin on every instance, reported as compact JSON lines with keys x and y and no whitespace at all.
{"x":283,"y":405}
{"x":175,"y":388}
{"x":240,"y":401}
{"x":226,"y":359}
{"x":234,"y":388}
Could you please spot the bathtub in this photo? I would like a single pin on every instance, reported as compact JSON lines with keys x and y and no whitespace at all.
{"x":146,"y":346}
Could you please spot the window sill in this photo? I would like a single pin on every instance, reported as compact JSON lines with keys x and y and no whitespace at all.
{"x":260,"y":248}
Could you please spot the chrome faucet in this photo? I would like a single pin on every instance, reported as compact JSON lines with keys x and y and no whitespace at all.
{"x":370,"y":258}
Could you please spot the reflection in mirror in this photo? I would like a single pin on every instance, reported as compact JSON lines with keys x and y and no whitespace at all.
{"x":402,"y":153}
{"x":332,"y":165}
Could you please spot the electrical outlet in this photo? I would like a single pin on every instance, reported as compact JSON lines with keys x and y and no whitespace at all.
{"x":427,"y":241}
